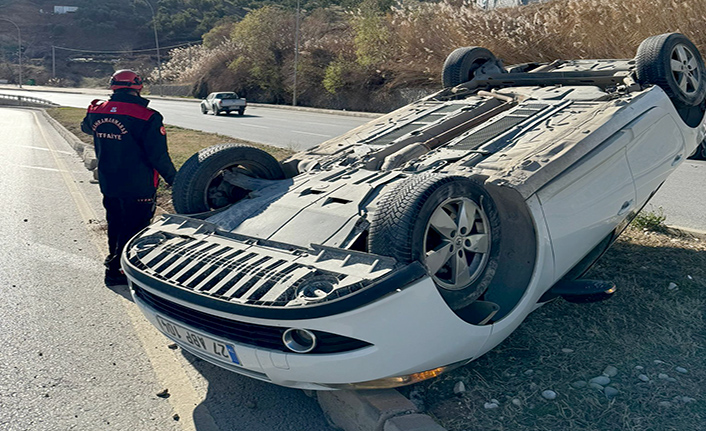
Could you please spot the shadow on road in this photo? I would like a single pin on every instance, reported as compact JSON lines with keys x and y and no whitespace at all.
{"x":239,"y":116}
{"x":122,"y":290}
{"x":236,"y":402}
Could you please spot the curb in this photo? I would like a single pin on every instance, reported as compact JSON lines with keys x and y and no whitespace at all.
{"x":372,"y":410}
{"x":85,"y":151}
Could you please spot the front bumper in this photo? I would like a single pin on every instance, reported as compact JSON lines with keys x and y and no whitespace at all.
{"x":398,"y":342}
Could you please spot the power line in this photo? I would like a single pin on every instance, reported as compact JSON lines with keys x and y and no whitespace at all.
{"x":132,"y":51}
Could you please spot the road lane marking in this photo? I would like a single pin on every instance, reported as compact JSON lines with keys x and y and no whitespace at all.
{"x":253,"y":125}
{"x":313,"y":134}
{"x":84,"y":208}
{"x":41,"y":168}
{"x":167,"y":369}
{"x":43,"y":149}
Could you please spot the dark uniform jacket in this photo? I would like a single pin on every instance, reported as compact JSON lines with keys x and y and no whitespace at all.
{"x":131,"y":146}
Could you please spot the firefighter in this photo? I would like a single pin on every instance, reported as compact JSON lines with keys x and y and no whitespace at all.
{"x":131,"y":148}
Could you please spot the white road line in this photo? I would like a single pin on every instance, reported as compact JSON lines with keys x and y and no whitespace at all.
{"x":253,"y":125}
{"x":43,"y":149}
{"x":313,"y":134}
{"x":169,"y":372}
{"x":39,"y":168}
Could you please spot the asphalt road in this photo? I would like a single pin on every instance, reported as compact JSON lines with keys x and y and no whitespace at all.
{"x":77,"y":355}
{"x":283,"y":127}
{"x":683,"y":197}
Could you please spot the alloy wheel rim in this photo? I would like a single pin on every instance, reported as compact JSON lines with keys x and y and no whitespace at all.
{"x":685,"y":69}
{"x":456,"y":243}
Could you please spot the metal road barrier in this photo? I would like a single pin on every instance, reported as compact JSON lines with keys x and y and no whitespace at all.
{"x":14,"y":100}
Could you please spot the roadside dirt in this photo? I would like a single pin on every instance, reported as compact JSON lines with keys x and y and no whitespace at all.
{"x":651,"y":331}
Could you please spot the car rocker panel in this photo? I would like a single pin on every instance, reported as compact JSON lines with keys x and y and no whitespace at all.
{"x":419,"y":241}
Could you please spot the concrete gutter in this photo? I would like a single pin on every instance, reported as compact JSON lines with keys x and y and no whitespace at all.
{"x":374,"y":410}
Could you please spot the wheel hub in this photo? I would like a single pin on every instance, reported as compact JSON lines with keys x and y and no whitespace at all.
{"x":685,"y":70}
{"x":456,"y":243}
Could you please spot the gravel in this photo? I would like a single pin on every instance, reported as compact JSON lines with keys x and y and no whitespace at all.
{"x":600,"y":380}
{"x":643,"y":377}
{"x":596,"y":386}
{"x":681,"y":370}
{"x":610,"y":392}
{"x":549,"y":395}
{"x":610,"y":371}
{"x":490,"y":406}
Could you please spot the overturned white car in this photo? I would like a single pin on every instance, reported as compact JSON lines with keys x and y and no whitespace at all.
{"x":418,"y":242}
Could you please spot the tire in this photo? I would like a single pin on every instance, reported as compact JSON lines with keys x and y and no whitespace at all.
{"x":215,"y":111}
{"x":241,"y":111}
{"x":204,"y":111}
{"x":461,"y":65}
{"x":672,"y":62}
{"x":422,"y":219}
{"x":199,"y":185}
{"x":700,"y":153}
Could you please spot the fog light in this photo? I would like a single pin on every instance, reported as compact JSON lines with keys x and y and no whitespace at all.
{"x":299,"y":340}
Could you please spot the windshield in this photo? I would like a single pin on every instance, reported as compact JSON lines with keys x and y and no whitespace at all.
{"x":226,"y":96}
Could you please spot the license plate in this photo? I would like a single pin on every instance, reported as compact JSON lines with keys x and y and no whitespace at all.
{"x":213,"y":348}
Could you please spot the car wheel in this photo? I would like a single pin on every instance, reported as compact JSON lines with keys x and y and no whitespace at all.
{"x":199,"y":184}
{"x":461,"y":65}
{"x":204,"y":110}
{"x":215,"y":111}
{"x":672,"y":62}
{"x":448,"y":223}
{"x":241,"y":111}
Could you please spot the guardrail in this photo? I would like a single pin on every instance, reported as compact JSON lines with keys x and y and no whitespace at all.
{"x":14,"y":100}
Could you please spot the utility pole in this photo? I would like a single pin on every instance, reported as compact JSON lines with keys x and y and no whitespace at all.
{"x":156,"y":43}
{"x":19,"y":48}
{"x":53,"y":61}
{"x":296,"y":55}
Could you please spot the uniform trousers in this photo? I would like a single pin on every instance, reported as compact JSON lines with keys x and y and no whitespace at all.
{"x":126,"y":217}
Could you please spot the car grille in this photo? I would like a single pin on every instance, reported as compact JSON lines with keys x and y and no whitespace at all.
{"x":241,"y":271}
{"x":266,"y":337}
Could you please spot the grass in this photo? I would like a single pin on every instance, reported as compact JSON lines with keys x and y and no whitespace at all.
{"x":651,"y":221}
{"x":183,"y":143}
{"x":646,"y":321}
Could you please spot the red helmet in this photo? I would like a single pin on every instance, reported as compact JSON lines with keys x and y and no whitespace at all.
{"x":126,"y":79}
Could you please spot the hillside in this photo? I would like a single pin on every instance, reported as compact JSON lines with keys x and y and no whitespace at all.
{"x":348,"y":54}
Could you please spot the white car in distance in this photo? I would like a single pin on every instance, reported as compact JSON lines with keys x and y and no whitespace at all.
{"x":223,"y":101}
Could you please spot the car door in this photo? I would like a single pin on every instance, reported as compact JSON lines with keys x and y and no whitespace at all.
{"x":584,"y":204}
{"x":655,"y":147}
